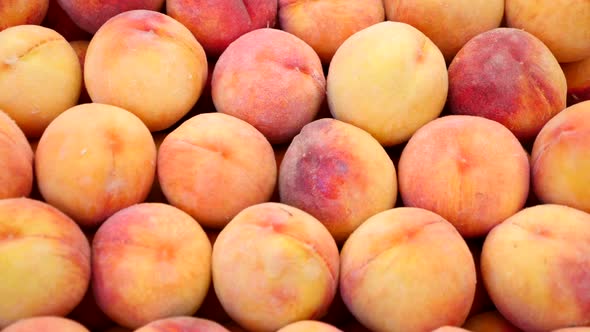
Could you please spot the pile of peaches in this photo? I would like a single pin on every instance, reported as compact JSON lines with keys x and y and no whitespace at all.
{"x":294,"y":165}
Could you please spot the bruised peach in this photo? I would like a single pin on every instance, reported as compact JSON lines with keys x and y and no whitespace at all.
{"x":577,"y":75}
{"x":184,"y":324}
{"x":274,"y":265}
{"x":309,"y":326}
{"x":22,"y":12}
{"x":46,"y":323}
{"x":16,"y":160}
{"x":490,"y":321}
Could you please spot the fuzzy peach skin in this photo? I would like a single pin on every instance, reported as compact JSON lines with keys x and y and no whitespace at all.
{"x":309,"y":326}
{"x":273,"y":265}
{"x":339,"y":174}
{"x":470,"y":170}
{"x":490,"y":321}
{"x":90,"y":15}
{"x":562,"y":25}
{"x":45,"y":261}
{"x":94,"y":160}
{"x":326,"y":24}
{"x":394,"y":266}
{"x":535,"y":266}
{"x":40,"y":76}
{"x":577,"y":75}
{"x":148,"y":63}
{"x":16,"y":160}
{"x":450,"y":329}
{"x":19,"y":12}
{"x":560,"y":160}
{"x":510,"y":76}
{"x":573,"y":329}
{"x":272,"y":80}
{"x":216,"y":24}
{"x":80,"y":47}
{"x":215,"y":165}
{"x":58,"y":20}
{"x":184,"y":324}
{"x":449,"y":24}
{"x":388,"y":79}
{"x":46,"y":324}
{"x":150,"y":261}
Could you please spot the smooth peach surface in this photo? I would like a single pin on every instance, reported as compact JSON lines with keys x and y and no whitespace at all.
{"x":395,"y":266}
{"x":573,"y":329}
{"x":470,"y":170}
{"x":218,"y":23}
{"x":103,"y":10}
{"x":16,"y":160}
{"x":272,"y":80}
{"x":382,"y":75}
{"x":46,"y":324}
{"x":170,"y":270}
{"x":326,"y":24}
{"x":561,"y":159}
{"x":449,"y":24}
{"x":184,"y":324}
{"x":490,"y":321}
{"x":147,"y":63}
{"x":578,"y":80}
{"x":510,"y":76}
{"x":215,"y":165}
{"x":562,"y":25}
{"x":40,"y":76}
{"x":309,"y":326}
{"x":274,"y":265}
{"x":19,"y":12}
{"x":536,"y":265}
{"x":45,"y":260}
{"x":58,"y":20}
{"x":450,"y":329}
{"x":95,"y":160}
{"x":339,"y":174}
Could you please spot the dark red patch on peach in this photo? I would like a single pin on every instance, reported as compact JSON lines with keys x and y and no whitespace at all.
{"x":575,"y":271}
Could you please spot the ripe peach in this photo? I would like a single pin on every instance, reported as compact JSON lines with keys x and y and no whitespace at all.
{"x":215,"y":165}
{"x":40,"y":76}
{"x":21,"y":12}
{"x":184,"y":324}
{"x":80,"y":47}
{"x":90,"y":177}
{"x":406,"y":73}
{"x":569,"y":42}
{"x":577,"y":75}
{"x":490,"y":321}
{"x":574,"y":329}
{"x":90,"y":15}
{"x":147,"y":63}
{"x":394,"y":266}
{"x":326,"y":24}
{"x":510,"y":76}
{"x":16,"y":160}
{"x":470,"y":170}
{"x":273,"y":265}
{"x":449,"y":24}
{"x":536,"y":265}
{"x":309,"y":326}
{"x":216,"y":24}
{"x":561,"y":160}
{"x":46,"y":324}
{"x":448,"y":328}
{"x":58,"y":20}
{"x":45,"y":261}
{"x":272,"y":80}
{"x":339,"y":174}
{"x":170,"y":270}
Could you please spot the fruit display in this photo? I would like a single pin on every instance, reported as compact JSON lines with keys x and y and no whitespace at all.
{"x":294,"y":165}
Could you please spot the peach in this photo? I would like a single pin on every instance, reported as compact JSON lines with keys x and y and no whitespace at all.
{"x":185,"y":324}
{"x":449,"y":24}
{"x":406,"y":73}
{"x":573,"y":329}
{"x":215,"y":165}
{"x":273,"y":265}
{"x":216,"y":24}
{"x":45,"y":323}
{"x":147,"y":63}
{"x":45,"y":261}
{"x":339,"y":174}
{"x":490,"y":321}
{"x":536,"y":265}
{"x":326,"y":24}
{"x":509,"y":76}
{"x":272,"y":80}
{"x":568,"y":42}
{"x":561,"y":160}
{"x":448,"y":328}
{"x":90,"y":177}
{"x":103,"y":10}
{"x":22,"y":12}
{"x":16,"y":160}
{"x":150,"y":261}
{"x":470,"y":170}
{"x":481,"y":300}
{"x":58,"y":20}
{"x":80,"y":47}
{"x":577,"y":75}
{"x":394,"y":266}
{"x":40,"y":76}
{"x":309,"y":326}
